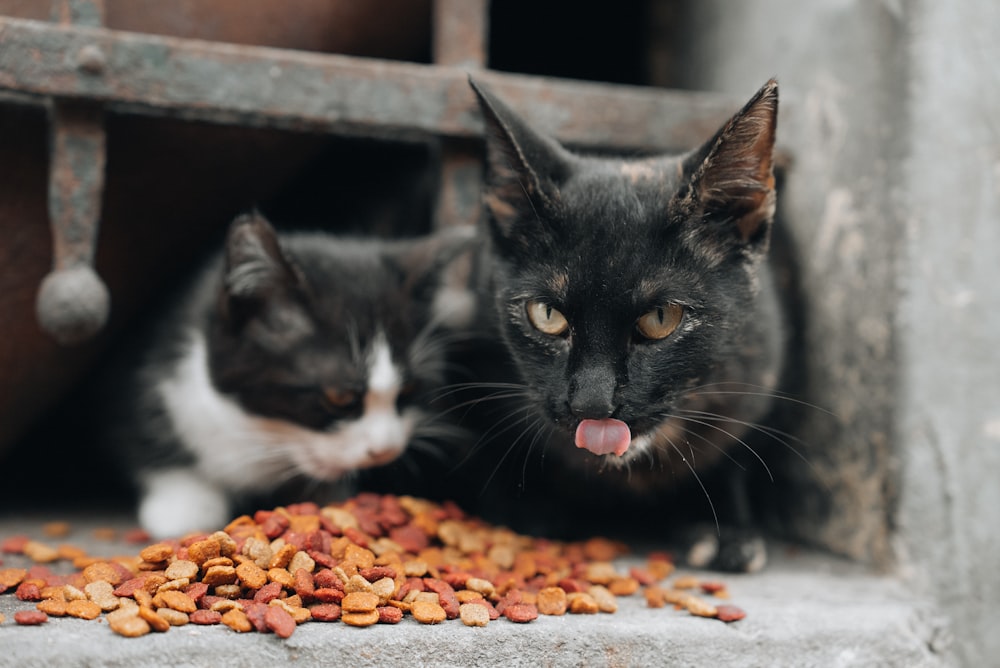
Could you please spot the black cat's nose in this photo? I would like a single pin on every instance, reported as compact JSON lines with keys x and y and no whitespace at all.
{"x":591,"y":395}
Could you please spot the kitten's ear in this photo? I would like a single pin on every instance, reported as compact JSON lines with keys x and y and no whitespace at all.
{"x":525,"y":168}
{"x":259,"y":284}
{"x":422,"y":262}
{"x":731,"y":177}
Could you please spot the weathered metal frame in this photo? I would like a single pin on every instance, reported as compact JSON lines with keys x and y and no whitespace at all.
{"x":77,"y":64}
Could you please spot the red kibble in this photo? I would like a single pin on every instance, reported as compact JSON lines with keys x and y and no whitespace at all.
{"x":387,"y":614}
{"x":279,"y":621}
{"x":328,"y":595}
{"x":377,"y":573}
{"x":268,"y":592}
{"x":14,"y":544}
{"x":205,"y":617}
{"x":28,"y":591}
{"x":409,"y":537}
{"x":521,"y":612}
{"x":325,"y":612}
{"x":729,"y":613}
{"x":30,"y":617}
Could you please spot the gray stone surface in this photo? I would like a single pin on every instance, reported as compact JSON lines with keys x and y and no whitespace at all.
{"x":803,"y":610}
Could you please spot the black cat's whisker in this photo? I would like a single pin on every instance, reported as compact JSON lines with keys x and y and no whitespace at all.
{"x":703,"y":390}
{"x":539,"y":433}
{"x":708,"y":497}
{"x":778,"y":435}
{"x":735,"y":438}
{"x":514,"y":443}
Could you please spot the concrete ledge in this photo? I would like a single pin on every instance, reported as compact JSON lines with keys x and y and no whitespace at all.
{"x":805,"y":609}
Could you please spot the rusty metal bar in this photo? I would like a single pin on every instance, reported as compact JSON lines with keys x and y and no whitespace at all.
{"x":461,"y":32}
{"x":260,"y":86}
{"x":72,"y":302}
{"x":460,"y":35}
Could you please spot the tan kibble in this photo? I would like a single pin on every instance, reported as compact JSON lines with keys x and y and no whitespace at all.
{"x":582,"y":604}
{"x":156,"y":623}
{"x":40,"y":552}
{"x":181,"y":568}
{"x":102,"y":571}
{"x":340,"y":517}
{"x":227,"y":546}
{"x":237,"y":620}
{"x":360,"y":618}
{"x":467,"y":596}
{"x":502,"y":555}
{"x":130,"y":627}
{"x":427,"y":612}
{"x":606,"y":601}
{"x":686,"y":582}
{"x":156,"y":552}
{"x":52,"y":592}
{"x":357,"y":557}
{"x":177,"y":600}
{"x":52,"y":607}
{"x":219,"y":575}
{"x":282,"y":577}
{"x":297,"y":612}
{"x":83,"y":609}
{"x":552,"y":601}
{"x":698,"y":607}
{"x":74,"y":594}
{"x":251,"y":575}
{"x":174,"y":585}
{"x":11,"y":577}
{"x":359,"y":601}
{"x":384,"y":588}
{"x":357,"y":583}
{"x":484,"y":587}
{"x":415,"y":568}
{"x":102,"y":593}
{"x":473,"y":614}
{"x":173,"y":617}
{"x":623,"y":586}
{"x":56,"y":529}
{"x":424,"y":596}
{"x":258,"y":550}
{"x":600,"y":572}
{"x":228,"y":591}
{"x":201,"y":551}
{"x":301,"y":560}
{"x":217,"y":561}
{"x":283,"y":556}
{"x":226,"y":605}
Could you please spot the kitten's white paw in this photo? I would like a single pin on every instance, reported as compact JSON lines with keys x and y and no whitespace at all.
{"x":179,"y":501}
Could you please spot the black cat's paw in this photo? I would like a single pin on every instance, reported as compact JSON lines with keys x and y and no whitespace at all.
{"x":730,"y":550}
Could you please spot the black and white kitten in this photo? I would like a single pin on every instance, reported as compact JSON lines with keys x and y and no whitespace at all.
{"x":292,"y":356}
{"x":636,"y":301}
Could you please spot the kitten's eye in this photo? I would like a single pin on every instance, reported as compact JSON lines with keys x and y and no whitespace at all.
{"x":339,"y":398}
{"x":546,"y":319}
{"x":660,"y":322}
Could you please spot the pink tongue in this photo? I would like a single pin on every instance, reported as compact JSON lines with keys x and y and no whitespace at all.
{"x":602,"y":437}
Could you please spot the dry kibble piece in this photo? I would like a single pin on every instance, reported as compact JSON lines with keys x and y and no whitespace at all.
{"x":30,"y":617}
{"x":472,"y":614}
{"x":600,"y":572}
{"x":259,"y":551}
{"x":180,"y":569}
{"x":360,"y":618}
{"x":582,"y":604}
{"x":173,"y":617}
{"x":156,"y":623}
{"x":282,"y":577}
{"x":131,"y":626}
{"x":279,"y":621}
{"x":698,"y":607}
{"x":384,"y":589}
{"x":357,"y":583}
{"x":237,"y":620}
{"x":174,"y":585}
{"x":156,"y":552}
{"x":40,"y":552}
{"x":552,"y":601}
{"x":283,"y":556}
{"x":52,"y":607}
{"x":74,"y":594}
{"x":205,"y":617}
{"x":301,"y":560}
{"x":606,"y":601}
{"x":466,"y":596}
{"x":686,"y":582}
{"x":228,"y":591}
{"x":176,"y":600}
{"x":56,"y":529}
{"x":484,"y":587}
{"x":729,"y":613}
{"x":623,"y":586}
{"x":11,"y":577}
{"x":654,"y":597}
{"x":251,"y":575}
{"x":102,"y":571}
{"x":219,"y":575}
{"x":427,"y":612}
{"x":415,"y":568}
{"x":359,"y":601}
{"x":521,"y":612}
{"x":103,"y":594}
{"x":83,"y":609}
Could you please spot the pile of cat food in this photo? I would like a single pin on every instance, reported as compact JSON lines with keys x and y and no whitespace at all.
{"x":372,"y":560}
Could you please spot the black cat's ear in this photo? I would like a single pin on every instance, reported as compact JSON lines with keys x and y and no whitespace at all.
{"x":259,"y":284}
{"x":731,"y":177}
{"x":525,"y":168}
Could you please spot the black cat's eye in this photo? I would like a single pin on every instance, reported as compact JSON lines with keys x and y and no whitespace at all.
{"x":660,"y":322}
{"x":546,"y":319}
{"x":339,"y":398}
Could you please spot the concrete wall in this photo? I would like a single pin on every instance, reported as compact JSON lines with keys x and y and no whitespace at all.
{"x":891,"y":111}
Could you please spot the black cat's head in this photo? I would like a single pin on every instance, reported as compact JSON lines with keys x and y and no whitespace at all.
{"x":330,"y":345}
{"x":621,"y":285}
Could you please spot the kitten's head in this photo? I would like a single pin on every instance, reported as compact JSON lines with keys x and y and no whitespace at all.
{"x":332,"y":346}
{"x":623,"y":284}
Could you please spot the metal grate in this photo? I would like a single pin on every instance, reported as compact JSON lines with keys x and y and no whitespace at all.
{"x":78,"y":69}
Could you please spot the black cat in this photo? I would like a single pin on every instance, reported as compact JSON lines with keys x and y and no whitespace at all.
{"x":637,"y":303}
